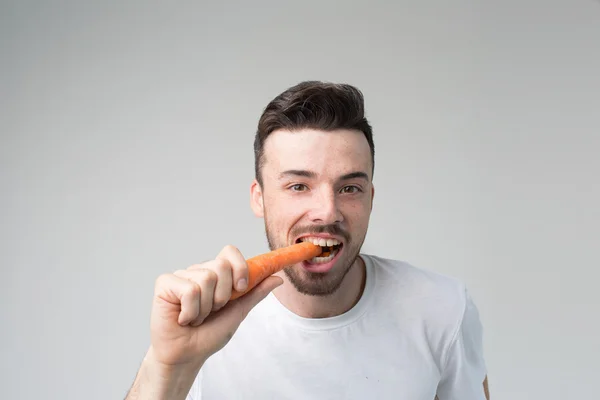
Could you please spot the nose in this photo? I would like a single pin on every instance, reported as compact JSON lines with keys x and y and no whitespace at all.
{"x":325,"y":208}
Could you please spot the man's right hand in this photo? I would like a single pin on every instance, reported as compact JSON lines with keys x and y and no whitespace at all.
{"x":192,"y":317}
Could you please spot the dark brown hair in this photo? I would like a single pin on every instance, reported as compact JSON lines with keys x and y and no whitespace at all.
{"x":313,"y":105}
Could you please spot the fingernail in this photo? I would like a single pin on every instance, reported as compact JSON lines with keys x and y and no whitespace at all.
{"x":242,"y":283}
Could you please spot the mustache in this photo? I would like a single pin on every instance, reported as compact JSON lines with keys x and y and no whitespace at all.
{"x":332,"y":229}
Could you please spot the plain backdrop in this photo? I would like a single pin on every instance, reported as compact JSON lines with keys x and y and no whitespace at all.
{"x":126,"y":152}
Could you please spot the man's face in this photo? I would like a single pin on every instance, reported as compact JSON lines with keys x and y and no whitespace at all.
{"x":316,"y":186}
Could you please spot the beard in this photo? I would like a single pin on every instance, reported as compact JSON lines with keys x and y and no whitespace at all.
{"x":314,"y":283}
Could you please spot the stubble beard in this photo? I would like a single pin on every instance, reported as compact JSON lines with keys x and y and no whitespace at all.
{"x":313,"y":283}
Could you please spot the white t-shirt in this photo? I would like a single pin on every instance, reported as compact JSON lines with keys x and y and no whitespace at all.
{"x":413,"y":334}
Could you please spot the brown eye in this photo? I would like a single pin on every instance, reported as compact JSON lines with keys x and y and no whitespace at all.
{"x":298,"y":187}
{"x":350,"y":189}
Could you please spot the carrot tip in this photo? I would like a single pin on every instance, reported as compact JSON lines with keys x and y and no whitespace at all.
{"x":264,"y":265}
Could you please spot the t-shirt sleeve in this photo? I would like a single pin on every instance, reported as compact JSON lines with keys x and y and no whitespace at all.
{"x":465,"y":369}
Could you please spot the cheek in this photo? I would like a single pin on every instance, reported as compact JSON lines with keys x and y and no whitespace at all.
{"x":357,"y":214}
{"x":357,"y":206}
{"x":282,"y":214}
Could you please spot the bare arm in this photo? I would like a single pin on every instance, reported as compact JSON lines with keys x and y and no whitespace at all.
{"x":186,"y":328}
{"x":156,"y":381}
{"x":485,"y":388}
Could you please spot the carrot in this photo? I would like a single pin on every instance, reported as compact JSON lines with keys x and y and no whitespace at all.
{"x":264,"y":265}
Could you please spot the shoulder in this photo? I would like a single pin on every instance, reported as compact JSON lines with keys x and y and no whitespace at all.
{"x":434,"y":304}
{"x":400,"y":278}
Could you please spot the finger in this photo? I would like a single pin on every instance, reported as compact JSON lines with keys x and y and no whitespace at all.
{"x":238,"y":265}
{"x":179,"y":291}
{"x":206,"y":280}
{"x":237,"y":310}
{"x":223,"y":289}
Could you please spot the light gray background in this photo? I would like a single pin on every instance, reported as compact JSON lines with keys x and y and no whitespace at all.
{"x":126,"y":152}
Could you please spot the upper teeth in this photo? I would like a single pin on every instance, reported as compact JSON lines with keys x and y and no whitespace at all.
{"x":320,"y":241}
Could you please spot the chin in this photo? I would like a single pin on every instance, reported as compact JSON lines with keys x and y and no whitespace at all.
{"x":318,"y":279}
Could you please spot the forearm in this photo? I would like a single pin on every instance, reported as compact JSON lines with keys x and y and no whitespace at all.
{"x":486,"y":388}
{"x":155,"y":381}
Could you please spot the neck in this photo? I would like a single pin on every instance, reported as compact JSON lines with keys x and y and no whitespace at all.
{"x":332,"y":305}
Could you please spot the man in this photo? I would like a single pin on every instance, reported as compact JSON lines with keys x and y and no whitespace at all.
{"x":345,"y":326}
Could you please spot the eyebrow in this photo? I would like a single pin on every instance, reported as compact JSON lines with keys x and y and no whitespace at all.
{"x":311,"y":174}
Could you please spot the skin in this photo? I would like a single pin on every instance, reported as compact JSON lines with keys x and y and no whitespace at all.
{"x":324,"y":193}
{"x":192,"y":317}
{"x":293,"y":203}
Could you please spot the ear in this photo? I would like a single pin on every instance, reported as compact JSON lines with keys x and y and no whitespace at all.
{"x":372,"y":195}
{"x":256,"y":199}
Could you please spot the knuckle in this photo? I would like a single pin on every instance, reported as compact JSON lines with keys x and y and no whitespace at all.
{"x":222,"y":266}
{"x":230,"y":249}
{"x":161,"y":280}
{"x":192,"y":290}
{"x":209,"y":276}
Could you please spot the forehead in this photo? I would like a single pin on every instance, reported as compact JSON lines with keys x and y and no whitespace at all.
{"x":330,"y":154}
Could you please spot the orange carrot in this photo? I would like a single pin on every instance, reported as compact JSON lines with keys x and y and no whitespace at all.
{"x":264,"y":265}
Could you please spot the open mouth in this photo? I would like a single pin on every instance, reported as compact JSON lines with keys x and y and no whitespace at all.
{"x":330,"y":248}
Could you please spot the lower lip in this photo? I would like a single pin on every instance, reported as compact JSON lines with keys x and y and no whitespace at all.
{"x":322,"y":267}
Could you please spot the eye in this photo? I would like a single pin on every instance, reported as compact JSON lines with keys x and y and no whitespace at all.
{"x":350,"y":189}
{"x":298,"y":187}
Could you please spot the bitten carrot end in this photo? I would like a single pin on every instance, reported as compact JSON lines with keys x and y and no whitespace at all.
{"x":264,"y":265}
